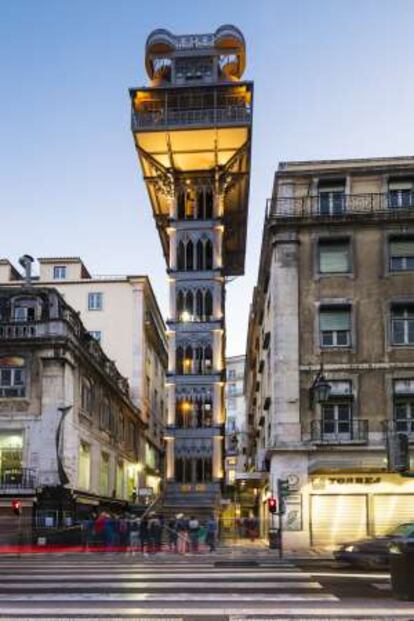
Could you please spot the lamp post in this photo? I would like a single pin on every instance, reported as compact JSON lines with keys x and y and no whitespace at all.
{"x":320,"y":390}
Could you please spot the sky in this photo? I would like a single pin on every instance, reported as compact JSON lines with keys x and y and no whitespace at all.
{"x":333,"y":79}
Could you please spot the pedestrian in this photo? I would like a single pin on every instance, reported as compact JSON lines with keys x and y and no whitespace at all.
{"x":134,"y":536}
{"x":88,"y":531}
{"x":143,"y":535}
{"x":123,"y":531}
{"x":211,"y":533}
{"x":172,"y":534}
{"x":154,"y":533}
{"x":182,"y":531}
{"x":99,"y":529}
{"x":193,"y":529}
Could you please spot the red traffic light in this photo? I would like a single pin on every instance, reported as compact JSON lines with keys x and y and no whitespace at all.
{"x":17,"y":507}
{"x":272,"y":505}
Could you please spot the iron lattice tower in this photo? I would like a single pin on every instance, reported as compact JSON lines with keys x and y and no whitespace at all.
{"x":192,"y":132}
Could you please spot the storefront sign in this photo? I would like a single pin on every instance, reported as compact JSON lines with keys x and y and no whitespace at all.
{"x":145,"y":491}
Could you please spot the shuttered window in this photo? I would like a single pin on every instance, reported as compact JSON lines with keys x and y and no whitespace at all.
{"x":401,"y":254}
{"x":335,"y":327}
{"x":334,"y":257}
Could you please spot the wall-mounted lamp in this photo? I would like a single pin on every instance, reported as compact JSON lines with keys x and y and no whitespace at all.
{"x":320,"y":390}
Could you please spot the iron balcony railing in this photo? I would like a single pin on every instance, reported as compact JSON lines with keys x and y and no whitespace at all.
{"x":340,"y":206}
{"x":354,"y":431}
{"x":17,"y":479}
{"x":231,"y":115}
{"x":402,"y":425}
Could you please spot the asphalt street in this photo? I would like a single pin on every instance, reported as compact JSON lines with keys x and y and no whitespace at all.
{"x":117,"y":586}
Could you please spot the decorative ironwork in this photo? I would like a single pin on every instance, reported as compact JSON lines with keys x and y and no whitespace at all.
{"x":354,"y":431}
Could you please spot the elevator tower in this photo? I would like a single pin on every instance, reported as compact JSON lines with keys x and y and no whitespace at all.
{"x":192,"y":132}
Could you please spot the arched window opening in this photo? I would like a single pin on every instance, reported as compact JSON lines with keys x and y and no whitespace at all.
{"x":181,"y":205}
{"x":208,"y":359}
{"x":189,"y":256}
{"x":200,"y":255}
{"x":189,"y":204}
{"x":208,"y":255}
{"x":180,"y":303}
{"x":179,"y":361}
{"x":199,"y":305}
{"x":200,"y":204}
{"x":188,"y":360}
{"x":208,"y":305}
{"x":189,"y":303}
{"x":179,"y":469}
{"x":199,"y":360}
{"x":208,"y":197}
{"x":181,"y":256}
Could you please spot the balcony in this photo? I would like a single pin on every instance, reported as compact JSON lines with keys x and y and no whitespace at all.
{"x":17,"y":479}
{"x":404,"y":426}
{"x":163,"y":118}
{"x":309,"y":207}
{"x":354,"y":431}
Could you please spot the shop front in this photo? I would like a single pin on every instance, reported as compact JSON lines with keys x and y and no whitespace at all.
{"x":347,"y":507}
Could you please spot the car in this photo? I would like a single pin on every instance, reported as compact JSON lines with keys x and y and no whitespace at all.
{"x":374,"y":552}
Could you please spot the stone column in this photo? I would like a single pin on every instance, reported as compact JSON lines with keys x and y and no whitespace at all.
{"x":218,"y":414}
{"x":173,"y":298}
{"x":217,"y":247}
{"x":169,"y":455}
{"x":171,"y":404}
{"x":173,"y":248}
{"x":218,"y":457}
{"x":171,"y":352}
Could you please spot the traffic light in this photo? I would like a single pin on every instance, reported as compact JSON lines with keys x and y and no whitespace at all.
{"x":272,"y":505}
{"x":282,"y":488}
{"x":17,"y":507}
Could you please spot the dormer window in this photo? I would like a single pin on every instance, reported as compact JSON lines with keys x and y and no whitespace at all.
{"x":401,"y":194}
{"x":59,"y":272}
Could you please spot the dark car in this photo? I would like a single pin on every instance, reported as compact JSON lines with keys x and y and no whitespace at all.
{"x":373,"y":553}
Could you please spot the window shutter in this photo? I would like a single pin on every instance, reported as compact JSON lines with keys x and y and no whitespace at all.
{"x":334,"y":258}
{"x":334,"y":320}
{"x":402,"y":248}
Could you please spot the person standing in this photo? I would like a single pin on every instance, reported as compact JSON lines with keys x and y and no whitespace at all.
{"x":211,"y":534}
{"x":182,"y":531}
{"x":143,"y":535}
{"x":172,"y":534}
{"x":193,"y":528}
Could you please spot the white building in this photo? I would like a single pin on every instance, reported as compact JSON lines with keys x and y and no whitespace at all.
{"x":236,"y":423}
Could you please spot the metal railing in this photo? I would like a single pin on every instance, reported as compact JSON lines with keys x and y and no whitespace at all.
{"x":343,"y":206}
{"x":203,"y":116}
{"x":354,"y":431}
{"x":405,"y":426}
{"x":17,"y":478}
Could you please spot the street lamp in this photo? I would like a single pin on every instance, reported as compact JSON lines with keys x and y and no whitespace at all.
{"x":320,"y":389}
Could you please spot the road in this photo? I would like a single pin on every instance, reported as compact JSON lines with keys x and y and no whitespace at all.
{"x":167,"y":587}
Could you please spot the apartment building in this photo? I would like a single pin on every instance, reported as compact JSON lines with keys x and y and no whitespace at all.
{"x":236,"y":428}
{"x":122,"y":314}
{"x":334,"y":309}
{"x":71,"y":440}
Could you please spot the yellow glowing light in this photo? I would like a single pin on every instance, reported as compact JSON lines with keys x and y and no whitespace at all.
{"x":185,"y":316}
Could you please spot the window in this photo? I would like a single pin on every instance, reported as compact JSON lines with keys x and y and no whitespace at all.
{"x":120,"y":492}
{"x":402,"y":325}
{"x":104,"y":475}
{"x":59,"y":272}
{"x":232,"y":389}
{"x":96,"y":334}
{"x":401,"y":251}
{"x":331,"y":200}
{"x":84,"y":466}
{"x":337,"y":419}
{"x":86,"y":397}
{"x":12,"y":381}
{"x":11,"y":456}
{"x":334,"y":256}
{"x":95,"y":300}
{"x":400,"y":194}
{"x":335,"y":327}
{"x":24,"y":313}
{"x":404,"y":406}
{"x":231,"y":374}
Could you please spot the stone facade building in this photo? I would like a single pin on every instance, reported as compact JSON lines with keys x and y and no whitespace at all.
{"x":122,"y":314}
{"x":335,"y":298}
{"x":236,"y":428}
{"x":71,"y":440}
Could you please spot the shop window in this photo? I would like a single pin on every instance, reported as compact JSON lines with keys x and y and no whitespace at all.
{"x":11,"y":457}
{"x":402,"y":325}
{"x":335,"y":326}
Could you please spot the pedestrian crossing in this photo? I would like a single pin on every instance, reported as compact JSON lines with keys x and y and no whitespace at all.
{"x":125,"y":587}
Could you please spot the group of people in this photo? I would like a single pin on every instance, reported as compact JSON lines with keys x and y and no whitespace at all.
{"x":147,"y":533}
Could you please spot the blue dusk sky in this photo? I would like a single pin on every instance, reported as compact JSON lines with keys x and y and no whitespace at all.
{"x":333,"y":79}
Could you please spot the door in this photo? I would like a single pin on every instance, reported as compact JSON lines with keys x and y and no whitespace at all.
{"x":338,"y":518}
{"x":390,"y":510}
